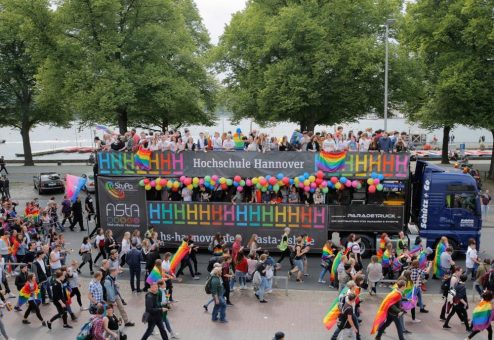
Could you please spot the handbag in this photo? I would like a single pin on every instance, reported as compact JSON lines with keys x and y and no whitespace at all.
{"x":145,"y":317}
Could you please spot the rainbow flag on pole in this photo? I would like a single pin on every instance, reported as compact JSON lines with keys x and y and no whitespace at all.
{"x":178,"y":256}
{"x":482,"y":316}
{"x":154,"y":276}
{"x":331,"y":161}
{"x":73,"y":187}
{"x":334,"y":311}
{"x":389,"y":300}
{"x":334,"y":267}
{"x":410,"y":293}
{"x":142,"y":159}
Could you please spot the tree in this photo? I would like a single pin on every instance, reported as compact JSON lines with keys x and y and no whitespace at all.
{"x":310,"y":62}
{"x":132,"y":62}
{"x":26,"y":31}
{"x":454,"y":42}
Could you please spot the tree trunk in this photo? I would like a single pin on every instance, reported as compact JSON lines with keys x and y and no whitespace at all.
{"x":444,"y":153}
{"x":491,"y":168}
{"x":122,"y":121}
{"x":307,"y":125}
{"x":26,"y":144}
{"x":164,"y":124}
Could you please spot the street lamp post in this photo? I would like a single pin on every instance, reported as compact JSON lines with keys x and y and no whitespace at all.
{"x":389,"y":22}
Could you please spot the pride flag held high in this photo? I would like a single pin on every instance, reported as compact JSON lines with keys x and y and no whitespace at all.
{"x":142,"y":159}
{"x":73,"y":186}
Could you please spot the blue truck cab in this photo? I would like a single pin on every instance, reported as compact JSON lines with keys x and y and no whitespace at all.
{"x":445,"y":202}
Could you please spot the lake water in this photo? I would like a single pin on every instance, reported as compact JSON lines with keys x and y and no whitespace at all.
{"x":47,"y":138}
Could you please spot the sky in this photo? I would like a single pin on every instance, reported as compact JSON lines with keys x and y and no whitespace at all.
{"x":217,"y":13}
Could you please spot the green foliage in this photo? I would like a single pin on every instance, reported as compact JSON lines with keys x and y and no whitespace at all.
{"x":133,"y":62}
{"x":309,"y":62}
{"x":26,"y":42}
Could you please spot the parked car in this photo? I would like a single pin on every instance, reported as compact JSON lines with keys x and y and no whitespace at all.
{"x":48,"y":181}
{"x":89,"y":186}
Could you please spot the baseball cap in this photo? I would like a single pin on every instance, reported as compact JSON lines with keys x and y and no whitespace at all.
{"x":279,"y":336}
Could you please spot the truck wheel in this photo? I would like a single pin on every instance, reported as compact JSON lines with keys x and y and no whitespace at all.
{"x":366,"y":246}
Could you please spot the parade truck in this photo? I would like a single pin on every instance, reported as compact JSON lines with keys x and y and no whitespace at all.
{"x":366,"y":193}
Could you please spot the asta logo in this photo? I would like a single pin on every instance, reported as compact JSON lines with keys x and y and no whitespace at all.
{"x":117,"y":190}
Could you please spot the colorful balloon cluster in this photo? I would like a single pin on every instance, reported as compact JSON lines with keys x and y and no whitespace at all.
{"x":375,"y":183}
{"x":309,"y":183}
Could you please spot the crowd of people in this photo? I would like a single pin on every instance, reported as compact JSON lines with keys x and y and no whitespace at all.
{"x":306,"y":141}
{"x":32,"y":247}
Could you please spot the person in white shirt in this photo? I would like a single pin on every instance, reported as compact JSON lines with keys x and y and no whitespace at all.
{"x":329,"y":145}
{"x":125,"y":248}
{"x":228,"y":143}
{"x":186,"y":194}
{"x":472,"y":260}
{"x":217,"y":142}
{"x":363,"y":143}
{"x":55,"y":262}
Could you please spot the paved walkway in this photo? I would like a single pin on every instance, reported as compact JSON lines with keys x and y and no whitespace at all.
{"x":299,"y":315}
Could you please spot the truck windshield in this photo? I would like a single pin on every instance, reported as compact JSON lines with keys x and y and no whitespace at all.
{"x":465,"y":201}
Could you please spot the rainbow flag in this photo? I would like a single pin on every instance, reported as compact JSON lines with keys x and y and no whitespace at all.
{"x":74,"y":185}
{"x":327,"y":252}
{"x":397,"y":265}
{"x":142,"y":159}
{"x":410,"y":293}
{"x":33,"y":216}
{"x":331,"y":161}
{"x":334,"y":311}
{"x":482,"y":316}
{"x":154,"y":276}
{"x":391,"y":299}
{"x":25,"y":294}
{"x":441,"y":248}
{"x":103,"y":128}
{"x":422,"y":259}
{"x":386,"y":259}
{"x":415,"y":250}
{"x":334,"y":267}
{"x":178,"y":256}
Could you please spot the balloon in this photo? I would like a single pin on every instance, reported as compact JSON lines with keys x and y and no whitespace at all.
{"x":212,"y":183}
{"x":376,"y":181}
{"x":258,"y":186}
{"x":190,"y":186}
{"x":276,"y":187}
{"x":195,"y":185}
{"x":224,"y":186}
{"x":379,"y":187}
{"x":237,"y":178}
{"x":343,"y":180}
{"x":331,"y":185}
{"x":207,"y":178}
{"x":255,"y":180}
{"x":195,"y":180}
{"x":229,"y":182}
{"x":240,"y":189}
{"x":296,"y":180}
{"x":146,"y":181}
{"x":235,"y":184}
{"x":222,"y":180}
{"x":381,"y":177}
{"x":268,"y":177}
{"x":270,"y":187}
{"x":158,"y":187}
{"x":338,"y":185}
{"x":201,"y":181}
{"x":272,"y":181}
{"x":176,"y":184}
{"x":301,"y":178}
{"x":359,"y":185}
{"x":147,"y":187}
{"x":320,"y":174}
{"x":214,"y":178}
{"x":141,"y":183}
{"x":301,"y":184}
{"x":334,"y":180}
{"x":291,"y":181}
{"x":374,"y":175}
{"x":306,"y":189}
{"x":188,"y":181}
{"x":279,"y":176}
{"x":153,"y":184}
{"x":312,"y":190}
{"x":312,"y":178}
{"x":263,"y":182}
{"x":163,"y":182}
{"x":286,"y":180}
{"x":324,"y":184}
{"x":325,"y":190}
{"x":264,"y":189}
{"x":372,"y":189}
{"x":318,"y":181}
{"x":313,"y":185}
{"x":348,"y":184}
{"x":370,"y":181}
{"x":306,"y":175}
{"x":248,"y":182}
{"x":169,"y":185}
{"x":182,"y":178}
{"x":241,"y":183}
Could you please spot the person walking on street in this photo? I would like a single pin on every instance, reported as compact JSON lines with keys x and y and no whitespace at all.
{"x":485,"y":199}
{"x":85,"y":252}
{"x":393,"y":314}
{"x":153,"y":313}
{"x":346,"y":326}
{"x":481,"y":325}
{"x":284,"y":247}
{"x":66,"y":211}
{"x":77,"y":215}
{"x":41,"y":271}
{"x":472,"y":260}
{"x":113,"y":296}
{"x":6,"y":187}
{"x":460,"y":304}
{"x":31,"y":288}
{"x":217,"y":292}
{"x":59,"y":300}
{"x":95,"y":294}
{"x":134,"y":258}
{"x":2,"y":165}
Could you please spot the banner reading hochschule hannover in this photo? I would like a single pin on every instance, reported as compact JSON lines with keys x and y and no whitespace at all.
{"x":253,"y":164}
